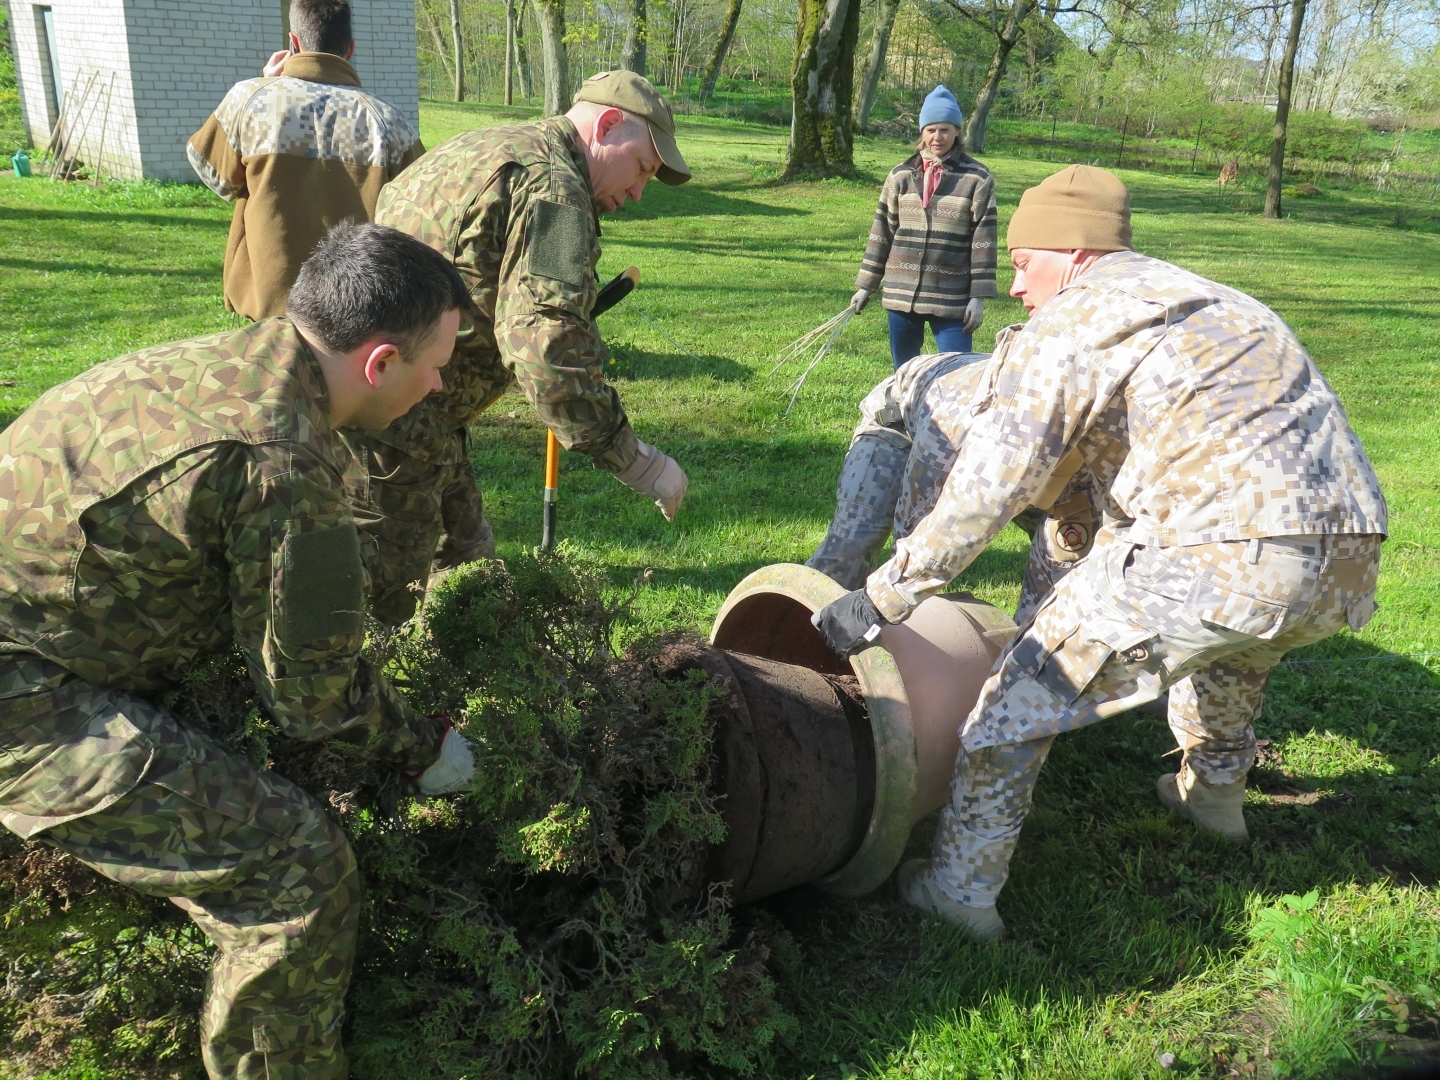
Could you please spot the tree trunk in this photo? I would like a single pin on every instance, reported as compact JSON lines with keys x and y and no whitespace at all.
{"x":557,"y":62}
{"x":1282,"y":109}
{"x":459,"y":50}
{"x":677,"y":47}
{"x":822,"y":89}
{"x":875,"y":65}
{"x":637,"y":29}
{"x":1004,"y":43}
{"x":509,"y":52}
{"x":722,"y":46}
{"x":522,"y":53}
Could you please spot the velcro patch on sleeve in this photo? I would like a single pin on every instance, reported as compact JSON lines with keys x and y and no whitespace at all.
{"x":323,"y":590}
{"x":560,"y":243}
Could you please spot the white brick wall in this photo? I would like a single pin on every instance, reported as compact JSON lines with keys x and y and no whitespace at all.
{"x":173,"y":60}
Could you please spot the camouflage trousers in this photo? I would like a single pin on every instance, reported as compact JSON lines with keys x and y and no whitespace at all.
{"x":416,"y":518}
{"x":1206,"y":623}
{"x":163,"y":809}
{"x":887,"y":486}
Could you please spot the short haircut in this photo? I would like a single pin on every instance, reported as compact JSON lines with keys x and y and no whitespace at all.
{"x":367,"y":281}
{"x":322,"y":25}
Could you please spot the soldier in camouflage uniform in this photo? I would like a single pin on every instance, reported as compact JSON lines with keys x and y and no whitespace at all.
{"x":155,"y":509}
{"x":515,"y":208}
{"x":1242,"y":520}
{"x":912,"y":426}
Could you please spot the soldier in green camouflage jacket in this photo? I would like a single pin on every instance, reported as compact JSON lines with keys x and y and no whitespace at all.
{"x":515,"y":208}
{"x":157,"y":508}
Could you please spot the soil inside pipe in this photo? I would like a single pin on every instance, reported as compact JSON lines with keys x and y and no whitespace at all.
{"x":797,"y":771}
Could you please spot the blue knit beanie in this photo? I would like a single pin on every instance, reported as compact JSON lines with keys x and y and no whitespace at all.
{"x":940,"y":108}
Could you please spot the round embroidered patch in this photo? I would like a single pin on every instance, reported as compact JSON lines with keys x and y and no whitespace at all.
{"x":1073,"y":536}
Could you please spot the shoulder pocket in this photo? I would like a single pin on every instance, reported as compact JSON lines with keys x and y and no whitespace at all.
{"x":321,"y":588}
{"x":560,"y":242}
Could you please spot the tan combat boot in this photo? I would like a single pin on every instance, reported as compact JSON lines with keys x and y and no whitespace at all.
{"x":1217,"y":807}
{"x":916,"y":881}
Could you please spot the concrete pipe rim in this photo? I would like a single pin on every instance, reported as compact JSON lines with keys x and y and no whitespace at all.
{"x":896,"y":763}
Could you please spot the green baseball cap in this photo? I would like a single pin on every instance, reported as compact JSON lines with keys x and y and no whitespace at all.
{"x":633,"y":93}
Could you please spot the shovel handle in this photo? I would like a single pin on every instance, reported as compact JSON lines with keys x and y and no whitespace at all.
{"x":552,"y":490}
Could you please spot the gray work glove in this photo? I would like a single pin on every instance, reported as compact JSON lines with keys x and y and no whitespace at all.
{"x":850,"y":624}
{"x":659,"y":477}
{"x":859,"y":300}
{"x":974,"y":314}
{"x":452,"y":770}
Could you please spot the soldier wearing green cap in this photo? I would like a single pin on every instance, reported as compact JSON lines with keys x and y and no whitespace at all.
{"x":515,"y":208}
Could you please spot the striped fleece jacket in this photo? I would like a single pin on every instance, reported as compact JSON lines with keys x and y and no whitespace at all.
{"x":297,"y":155}
{"x":932,"y":260}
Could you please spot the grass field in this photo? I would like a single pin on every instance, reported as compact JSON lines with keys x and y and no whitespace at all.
{"x":1315,"y":953}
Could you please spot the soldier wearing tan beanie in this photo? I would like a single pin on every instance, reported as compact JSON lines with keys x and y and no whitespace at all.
{"x":1242,"y":519}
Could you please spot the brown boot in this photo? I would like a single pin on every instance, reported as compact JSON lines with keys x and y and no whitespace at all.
{"x":916,"y":882}
{"x":1217,"y":807}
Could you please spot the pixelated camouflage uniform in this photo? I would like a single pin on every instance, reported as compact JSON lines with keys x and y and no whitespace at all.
{"x":1242,"y":519}
{"x":157,"y":508}
{"x":911,"y":429}
{"x":297,"y":154}
{"x":512,"y":207}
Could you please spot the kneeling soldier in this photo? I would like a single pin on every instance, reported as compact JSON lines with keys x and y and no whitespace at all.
{"x":1242,"y":520}
{"x":158,"y":507}
{"x":911,"y":429}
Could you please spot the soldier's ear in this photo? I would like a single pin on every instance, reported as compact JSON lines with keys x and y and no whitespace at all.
{"x":608,"y":121}
{"x":376,"y":359}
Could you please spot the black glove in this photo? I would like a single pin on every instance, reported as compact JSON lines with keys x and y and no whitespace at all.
{"x":849,"y":624}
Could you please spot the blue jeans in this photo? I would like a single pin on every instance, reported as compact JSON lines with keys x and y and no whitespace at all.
{"x":907,"y":334}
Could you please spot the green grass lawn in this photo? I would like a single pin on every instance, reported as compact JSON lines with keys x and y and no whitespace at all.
{"x":1314,"y":953}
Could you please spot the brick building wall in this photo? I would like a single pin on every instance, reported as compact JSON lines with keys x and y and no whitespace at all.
{"x":165,"y":64}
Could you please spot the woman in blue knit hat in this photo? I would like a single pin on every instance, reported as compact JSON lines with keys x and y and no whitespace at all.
{"x":933,"y":242}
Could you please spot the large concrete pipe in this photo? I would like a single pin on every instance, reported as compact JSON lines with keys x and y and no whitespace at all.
{"x":818,"y":788}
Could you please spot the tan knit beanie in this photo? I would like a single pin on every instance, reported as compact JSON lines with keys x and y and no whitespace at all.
{"x":1078,"y":207}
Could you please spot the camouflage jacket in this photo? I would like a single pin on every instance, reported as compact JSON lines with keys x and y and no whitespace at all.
{"x":297,"y":155}
{"x":1198,"y":412}
{"x":167,"y":502}
{"x":512,"y":208}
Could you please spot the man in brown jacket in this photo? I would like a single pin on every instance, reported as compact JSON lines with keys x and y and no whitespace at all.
{"x":297,"y":152}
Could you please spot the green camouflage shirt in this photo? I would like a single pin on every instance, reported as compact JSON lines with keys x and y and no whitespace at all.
{"x":512,"y":208}
{"x":163,"y":503}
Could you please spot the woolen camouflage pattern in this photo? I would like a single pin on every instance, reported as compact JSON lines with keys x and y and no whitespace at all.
{"x":1208,"y":622}
{"x":255,"y":861}
{"x":164,"y":503}
{"x":912,"y":427}
{"x":933,"y":260}
{"x":512,"y":207}
{"x":1199,"y":414}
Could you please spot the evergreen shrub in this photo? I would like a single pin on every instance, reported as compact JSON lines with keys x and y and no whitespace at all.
{"x":554,"y":920}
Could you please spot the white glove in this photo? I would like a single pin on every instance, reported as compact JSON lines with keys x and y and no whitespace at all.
{"x":974,"y":314}
{"x":453,"y":769}
{"x":658,"y":476}
{"x":859,"y":300}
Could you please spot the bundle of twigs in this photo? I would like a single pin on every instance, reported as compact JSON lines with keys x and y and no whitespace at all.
{"x":815,"y":344}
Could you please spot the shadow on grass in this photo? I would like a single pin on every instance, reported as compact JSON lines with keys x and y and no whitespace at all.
{"x":173,"y":219}
{"x":636,"y":363}
{"x":695,"y":201}
{"x":39,"y":267}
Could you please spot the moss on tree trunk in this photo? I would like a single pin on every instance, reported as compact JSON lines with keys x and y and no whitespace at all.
{"x":822,"y":89}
